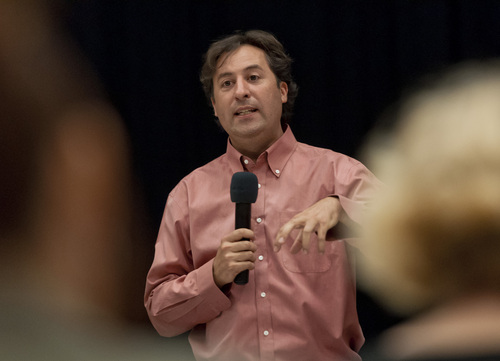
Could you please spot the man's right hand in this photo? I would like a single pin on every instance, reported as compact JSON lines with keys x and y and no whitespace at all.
{"x":234,"y":256}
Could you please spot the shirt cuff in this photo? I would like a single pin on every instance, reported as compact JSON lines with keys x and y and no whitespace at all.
{"x":215,"y":299}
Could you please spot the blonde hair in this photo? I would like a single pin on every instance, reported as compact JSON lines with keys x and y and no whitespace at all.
{"x":434,"y":232}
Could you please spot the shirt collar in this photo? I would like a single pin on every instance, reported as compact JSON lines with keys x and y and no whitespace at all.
{"x":276,"y":155}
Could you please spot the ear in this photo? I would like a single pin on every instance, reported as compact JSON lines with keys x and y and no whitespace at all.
{"x":284,"y":92}
{"x":213,"y":106}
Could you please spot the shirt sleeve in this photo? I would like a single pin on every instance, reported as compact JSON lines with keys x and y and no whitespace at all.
{"x":178,"y":296}
{"x":355,"y":188}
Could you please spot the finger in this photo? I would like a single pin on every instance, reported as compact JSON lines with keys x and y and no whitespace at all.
{"x":278,"y":242}
{"x":239,"y":234}
{"x":242,"y":246}
{"x":234,"y":269}
{"x":322,"y":230}
{"x":244,"y":256}
{"x":306,"y":235}
{"x":285,"y":231}
{"x":297,"y":244}
{"x":238,"y":267}
{"x":321,"y":246}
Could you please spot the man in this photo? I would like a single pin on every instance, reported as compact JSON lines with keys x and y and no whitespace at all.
{"x":296,"y":305}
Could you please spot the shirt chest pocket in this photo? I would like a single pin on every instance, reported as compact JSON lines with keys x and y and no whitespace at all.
{"x":313,"y":261}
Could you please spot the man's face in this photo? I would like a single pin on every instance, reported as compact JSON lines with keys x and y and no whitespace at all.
{"x":247,"y":99}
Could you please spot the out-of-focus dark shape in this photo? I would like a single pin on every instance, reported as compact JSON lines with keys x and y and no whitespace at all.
{"x":67,"y":256}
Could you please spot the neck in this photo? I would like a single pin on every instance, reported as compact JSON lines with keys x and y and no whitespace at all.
{"x":252,"y":147}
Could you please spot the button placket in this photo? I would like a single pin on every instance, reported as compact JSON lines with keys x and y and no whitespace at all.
{"x":264,"y":316}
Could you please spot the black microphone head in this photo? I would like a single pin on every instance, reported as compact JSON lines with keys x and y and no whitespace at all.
{"x":244,"y":187}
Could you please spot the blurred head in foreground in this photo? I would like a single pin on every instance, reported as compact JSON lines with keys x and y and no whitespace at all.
{"x":64,"y":165}
{"x":68,"y":264}
{"x":434,"y":234}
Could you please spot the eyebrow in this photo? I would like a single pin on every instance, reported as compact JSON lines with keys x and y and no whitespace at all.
{"x":250,"y":67}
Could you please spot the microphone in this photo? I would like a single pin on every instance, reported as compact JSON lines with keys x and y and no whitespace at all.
{"x":244,"y":186}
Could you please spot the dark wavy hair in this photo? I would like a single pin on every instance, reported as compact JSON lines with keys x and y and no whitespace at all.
{"x":278,"y":60}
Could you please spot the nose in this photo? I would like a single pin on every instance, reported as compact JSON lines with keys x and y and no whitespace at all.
{"x":241,"y":90}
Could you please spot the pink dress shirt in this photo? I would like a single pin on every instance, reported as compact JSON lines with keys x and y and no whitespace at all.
{"x":294,"y":307}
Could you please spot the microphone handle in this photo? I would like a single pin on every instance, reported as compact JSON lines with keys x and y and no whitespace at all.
{"x":242,"y":219}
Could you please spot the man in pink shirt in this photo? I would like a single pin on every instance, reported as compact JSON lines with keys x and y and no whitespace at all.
{"x":299,"y":302}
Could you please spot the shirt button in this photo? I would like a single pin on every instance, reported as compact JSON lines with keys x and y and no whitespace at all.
{"x":277,"y":171}
{"x":245,"y":161}
{"x":259,"y":185}
{"x":262,"y":294}
{"x":266,"y":333}
{"x":261,"y":257}
{"x":259,"y":220}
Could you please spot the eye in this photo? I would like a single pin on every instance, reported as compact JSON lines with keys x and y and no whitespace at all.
{"x":253,"y":77}
{"x":226,"y":84}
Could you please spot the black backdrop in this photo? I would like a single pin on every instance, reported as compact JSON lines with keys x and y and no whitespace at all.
{"x":352,"y":59}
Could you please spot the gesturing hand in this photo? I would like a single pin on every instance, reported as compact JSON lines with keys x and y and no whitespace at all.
{"x":234,"y":256}
{"x":319,"y":218}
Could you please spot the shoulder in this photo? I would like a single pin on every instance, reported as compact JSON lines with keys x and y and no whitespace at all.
{"x":325,"y":154}
{"x":204,"y":177}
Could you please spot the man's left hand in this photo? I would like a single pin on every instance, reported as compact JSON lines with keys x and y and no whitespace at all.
{"x":320,"y":218}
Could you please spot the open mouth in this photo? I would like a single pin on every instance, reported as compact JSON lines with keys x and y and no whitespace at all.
{"x":246,"y":111}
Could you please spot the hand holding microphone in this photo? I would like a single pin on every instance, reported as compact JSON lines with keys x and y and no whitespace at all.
{"x":235,"y":255}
